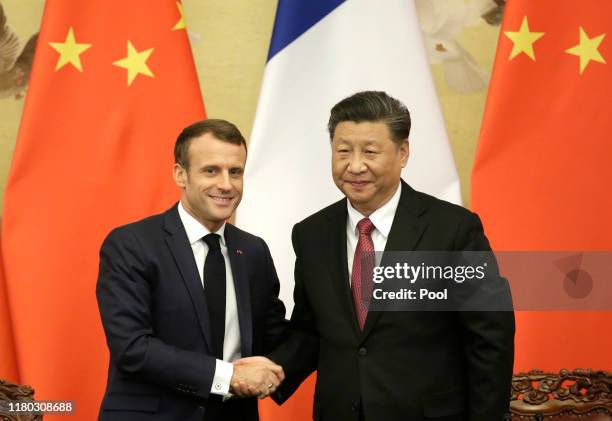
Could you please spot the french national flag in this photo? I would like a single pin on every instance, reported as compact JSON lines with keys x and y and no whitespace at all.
{"x":321,"y":52}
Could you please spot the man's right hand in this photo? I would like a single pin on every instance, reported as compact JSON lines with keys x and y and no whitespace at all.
{"x":256,"y":376}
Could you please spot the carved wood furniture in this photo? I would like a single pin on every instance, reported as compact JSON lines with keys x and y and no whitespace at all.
{"x":14,"y":392}
{"x":584,"y":395}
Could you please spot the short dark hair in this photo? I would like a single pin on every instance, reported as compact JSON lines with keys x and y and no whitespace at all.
{"x":372,"y":106}
{"x":221,"y":129}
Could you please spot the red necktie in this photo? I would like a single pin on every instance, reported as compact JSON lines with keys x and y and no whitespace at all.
{"x":363,"y":265}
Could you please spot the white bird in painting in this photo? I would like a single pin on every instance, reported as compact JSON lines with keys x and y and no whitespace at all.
{"x":441,"y":21}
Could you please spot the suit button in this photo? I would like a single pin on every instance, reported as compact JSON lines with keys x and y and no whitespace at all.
{"x":363,"y":352}
{"x":354,"y":406}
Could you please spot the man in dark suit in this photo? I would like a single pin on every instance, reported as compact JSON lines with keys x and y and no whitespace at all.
{"x":183,"y":294}
{"x":387,"y":365}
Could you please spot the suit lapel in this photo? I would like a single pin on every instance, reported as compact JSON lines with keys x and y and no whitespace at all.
{"x":180,"y":248}
{"x":242,"y":288}
{"x":407,"y":227}
{"x":406,"y":231}
{"x":338,"y":262}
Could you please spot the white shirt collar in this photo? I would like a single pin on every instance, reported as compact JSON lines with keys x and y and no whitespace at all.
{"x":382,"y":218}
{"x":195,"y":230}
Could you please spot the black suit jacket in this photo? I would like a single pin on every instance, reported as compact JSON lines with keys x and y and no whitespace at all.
{"x":157,"y":326}
{"x":403,"y":365}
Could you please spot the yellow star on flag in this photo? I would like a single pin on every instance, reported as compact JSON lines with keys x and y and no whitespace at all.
{"x":587,"y":50}
{"x":181,"y":23}
{"x":523,"y":40}
{"x":70,"y":51}
{"x":135,"y":63}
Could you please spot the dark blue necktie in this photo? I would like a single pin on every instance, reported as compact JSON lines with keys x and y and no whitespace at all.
{"x":214,"y":290}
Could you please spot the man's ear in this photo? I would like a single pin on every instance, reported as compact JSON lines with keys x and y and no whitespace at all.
{"x":404,"y":152}
{"x":180,"y":175}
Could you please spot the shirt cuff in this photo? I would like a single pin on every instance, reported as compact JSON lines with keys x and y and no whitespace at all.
{"x":222,"y":378}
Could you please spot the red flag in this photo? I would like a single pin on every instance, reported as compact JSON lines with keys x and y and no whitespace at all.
{"x":297,"y":407}
{"x":542,"y":172}
{"x":113,"y":83}
{"x":8,"y":362}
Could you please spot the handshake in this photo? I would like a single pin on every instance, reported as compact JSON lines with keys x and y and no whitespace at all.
{"x":255,"y":376}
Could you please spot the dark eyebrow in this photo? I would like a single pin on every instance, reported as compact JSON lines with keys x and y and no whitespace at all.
{"x":206,"y":167}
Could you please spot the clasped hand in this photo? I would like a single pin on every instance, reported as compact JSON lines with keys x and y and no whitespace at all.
{"x":256,"y":376}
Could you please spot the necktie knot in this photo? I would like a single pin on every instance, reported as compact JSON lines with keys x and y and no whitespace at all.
{"x":212,"y":241}
{"x":365,"y":226}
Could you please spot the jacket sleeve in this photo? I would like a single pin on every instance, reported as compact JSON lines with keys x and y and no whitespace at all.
{"x":298,"y":354}
{"x":488,"y":338}
{"x":124,"y":293}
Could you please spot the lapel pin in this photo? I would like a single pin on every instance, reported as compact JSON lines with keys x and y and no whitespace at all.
{"x":238,"y":251}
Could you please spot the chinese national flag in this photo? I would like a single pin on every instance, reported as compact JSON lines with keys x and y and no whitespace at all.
{"x":113,"y":83}
{"x":541,"y":180}
{"x":8,"y":363}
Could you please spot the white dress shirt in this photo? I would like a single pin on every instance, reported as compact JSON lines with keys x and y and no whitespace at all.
{"x":231,"y":342}
{"x":382,"y":218}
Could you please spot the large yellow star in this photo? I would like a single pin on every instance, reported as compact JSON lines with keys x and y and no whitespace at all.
{"x":70,"y":51}
{"x":135,"y":63}
{"x":523,"y":40}
{"x":587,"y":50}
{"x":181,"y":23}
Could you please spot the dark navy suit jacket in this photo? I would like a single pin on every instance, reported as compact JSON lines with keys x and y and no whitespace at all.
{"x":157,"y":327}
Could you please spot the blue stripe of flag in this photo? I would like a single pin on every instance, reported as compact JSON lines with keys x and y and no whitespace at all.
{"x":294,"y":17}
